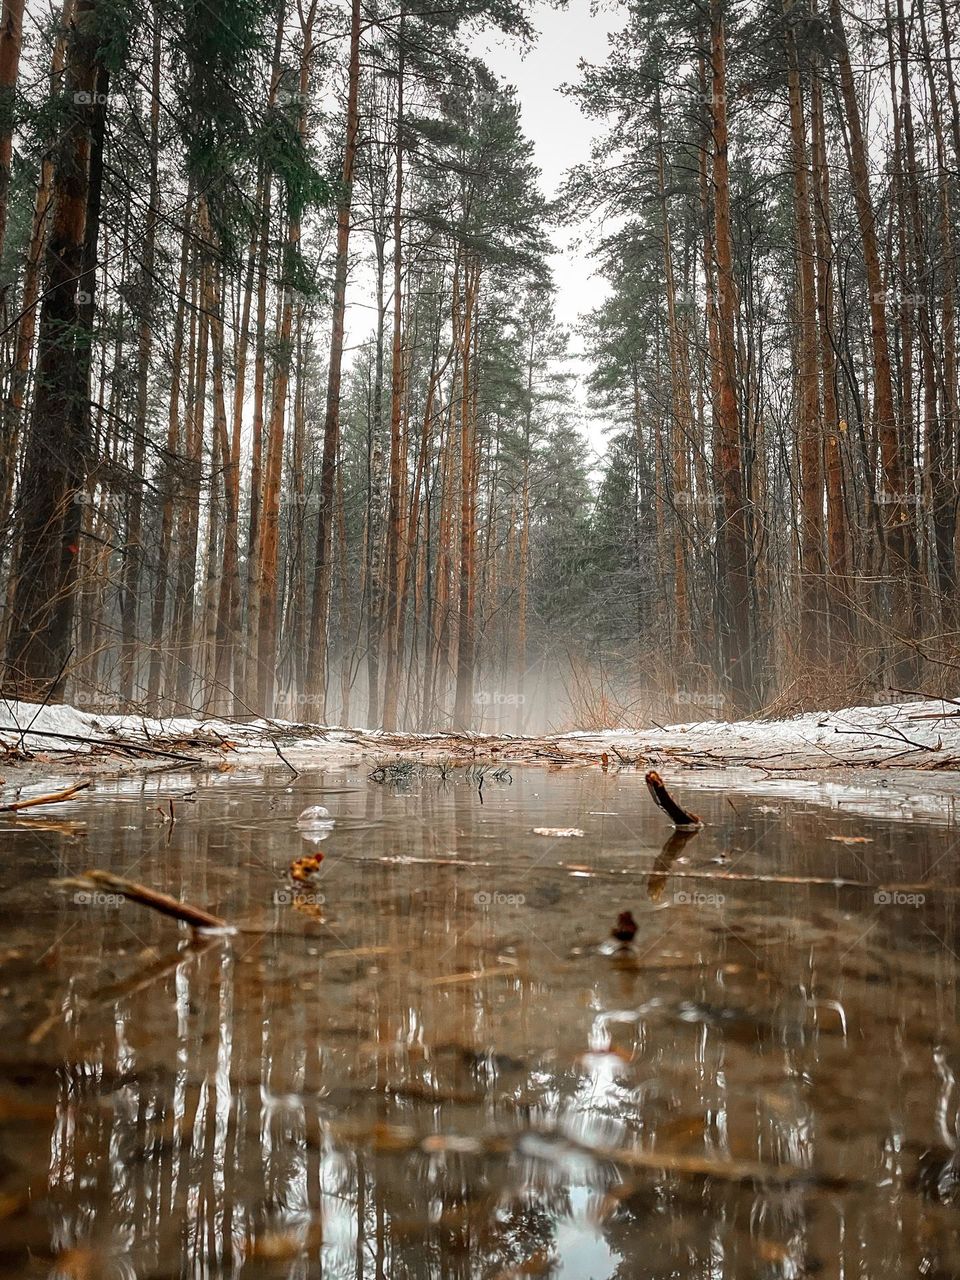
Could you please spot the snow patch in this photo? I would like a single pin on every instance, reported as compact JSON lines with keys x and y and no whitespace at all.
{"x":923,"y":733}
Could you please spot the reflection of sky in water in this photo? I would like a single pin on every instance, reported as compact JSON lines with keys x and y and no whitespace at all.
{"x":582,"y":1252}
{"x":446,"y":1067}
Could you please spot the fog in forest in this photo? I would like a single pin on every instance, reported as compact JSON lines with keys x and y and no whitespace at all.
{"x":319,"y":400}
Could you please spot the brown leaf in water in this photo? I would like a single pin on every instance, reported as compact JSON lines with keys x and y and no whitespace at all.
{"x":681,"y":818}
{"x":304,"y":869}
{"x":625,"y":930}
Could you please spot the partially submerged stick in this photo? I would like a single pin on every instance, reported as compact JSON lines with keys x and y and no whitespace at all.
{"x":55,"y":798}
{"x":276,"y":747}
{"x":196,"y":917}
{"x":681,"y":818}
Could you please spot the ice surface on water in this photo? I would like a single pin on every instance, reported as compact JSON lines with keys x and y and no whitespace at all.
{"x":315,"y":816}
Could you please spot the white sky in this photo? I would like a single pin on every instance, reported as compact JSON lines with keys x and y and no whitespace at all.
{"x":560,"y":134}
{"x":561,"y":137}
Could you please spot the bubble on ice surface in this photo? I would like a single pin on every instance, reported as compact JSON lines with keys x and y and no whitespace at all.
{"x":315,"y":816}
{"x":316,"y":835}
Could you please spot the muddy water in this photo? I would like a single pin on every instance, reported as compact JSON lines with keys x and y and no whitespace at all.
{"x":437,"y":1063}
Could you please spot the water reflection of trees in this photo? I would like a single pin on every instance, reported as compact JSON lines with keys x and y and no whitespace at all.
{"x":334,"y":1100}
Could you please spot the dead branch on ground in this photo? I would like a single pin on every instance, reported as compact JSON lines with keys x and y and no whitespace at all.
{"x":108,"y":744}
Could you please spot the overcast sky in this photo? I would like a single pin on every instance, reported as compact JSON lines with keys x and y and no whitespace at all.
{"x":561,"y":138}
{"x":560,"y":134}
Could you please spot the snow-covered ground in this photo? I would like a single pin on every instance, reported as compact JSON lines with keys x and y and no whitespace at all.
{"x":62,"y":728}
{"x":912,"y":734}
{"x":909,"y":735}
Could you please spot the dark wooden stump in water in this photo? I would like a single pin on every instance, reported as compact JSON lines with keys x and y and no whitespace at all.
{"x":681,"y":818}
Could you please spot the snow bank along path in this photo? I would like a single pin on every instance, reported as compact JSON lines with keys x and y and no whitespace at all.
{"x":923,"y":734}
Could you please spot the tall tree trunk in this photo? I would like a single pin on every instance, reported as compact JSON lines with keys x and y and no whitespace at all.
{"x":185,"y":597}
{"x":398,"y":459}
{"x":158,"y":644}
{"x":437,"y":657}
{"x":317,"y":676}
{"x":27,"y":320}
{"x":347,"y":662}
{"x":377,"y":171}
{"x":408,"y":547}
{"x":942,"y":444}
{"x":297,"y":612}
{"x":133,"y":550}
{"x":921,"y":286}
{"x":898,"y":542}
{"x":523,"y":551}
{"x":466,"y":629}
{"x":733,"y":547}
{"x":207,"y":622}
{"x":250,"y":683}
{"x":11,"y":41}
{"x":57,"y":449}
{"x":837,"y":548}
{"x":681,"y":414}
{"x":230,"y":668}
{"x":226,"y":446}
{"x":268,"y":551}
{"x":809,"y":430}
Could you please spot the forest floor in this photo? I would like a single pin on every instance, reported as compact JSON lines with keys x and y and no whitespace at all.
{"x":42,"y":744}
